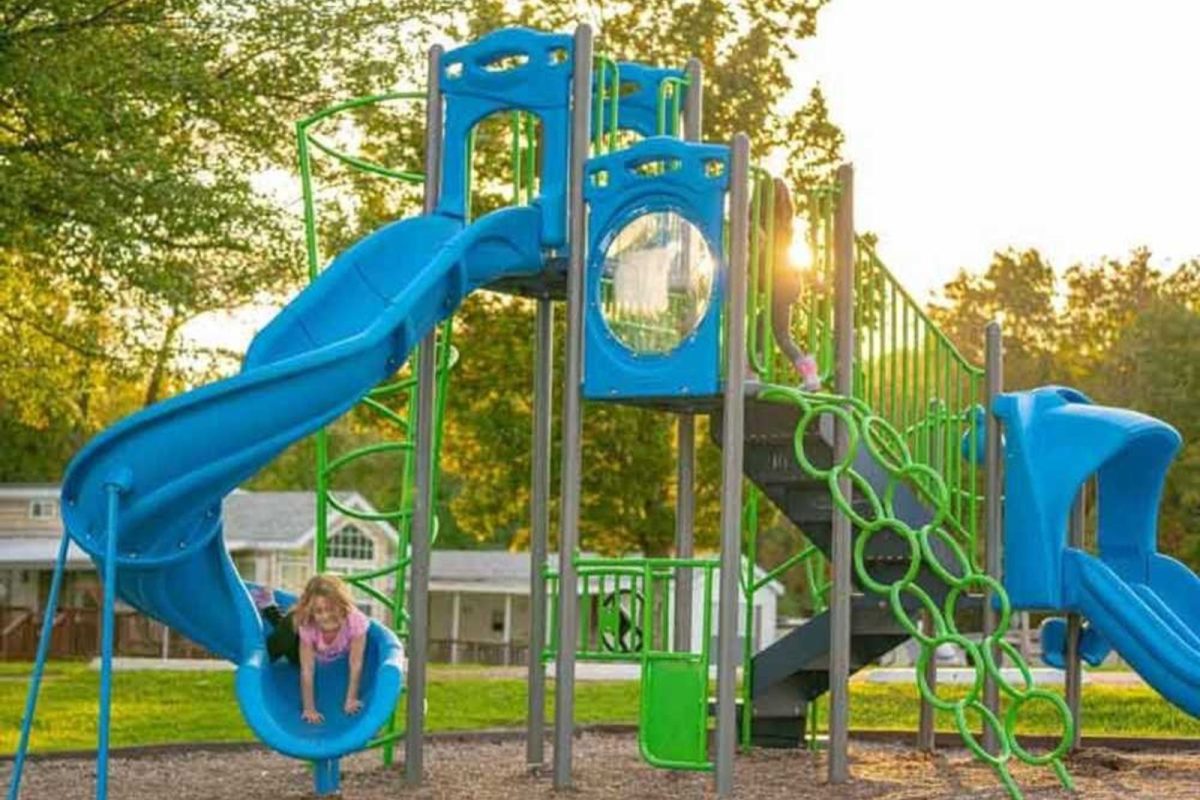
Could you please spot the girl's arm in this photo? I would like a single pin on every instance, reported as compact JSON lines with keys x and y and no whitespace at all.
{"x":357,"y":645}
{"x":308,"y":666}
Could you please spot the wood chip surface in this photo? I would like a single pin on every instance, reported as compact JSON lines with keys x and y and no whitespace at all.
{"x":607,"y":767}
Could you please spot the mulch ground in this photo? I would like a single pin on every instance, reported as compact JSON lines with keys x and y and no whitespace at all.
{"x":607,"y":766}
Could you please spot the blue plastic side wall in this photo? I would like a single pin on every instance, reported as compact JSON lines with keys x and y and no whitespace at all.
{"x":616,"y":194}
{"x":536,"y":78}
{"x":1054,"y":440}
{"x":1141,"y":603}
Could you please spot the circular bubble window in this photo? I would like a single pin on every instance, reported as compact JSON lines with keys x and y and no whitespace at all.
{"x":657,"y":282}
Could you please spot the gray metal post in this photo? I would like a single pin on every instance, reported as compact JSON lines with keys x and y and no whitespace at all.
{"x":543,"y":375}
{"x":993,"y":510}
{"x":685,"y":484}
{"x":1074,"y":676}
{"x":732,"y":446}
{"x":568,"y":537}
{"x":926,"y":727}
{"x":418,"y":604}
{"x":839,"y":607}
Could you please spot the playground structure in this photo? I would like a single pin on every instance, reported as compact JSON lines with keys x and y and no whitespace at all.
{"x":662,"y":250}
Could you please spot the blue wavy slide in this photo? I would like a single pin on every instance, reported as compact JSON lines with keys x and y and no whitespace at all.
{"x":345,"y":333}
{"x":1141,"y":603}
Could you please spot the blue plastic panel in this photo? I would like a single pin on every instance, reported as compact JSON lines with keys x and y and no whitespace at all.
{"x":1054,"y":440}
{"x":616,"y":192}
{"x":512,"y":69}
{"x":1093,"y":648}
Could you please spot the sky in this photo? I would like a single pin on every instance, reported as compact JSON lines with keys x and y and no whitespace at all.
{"x":1071,"y":126}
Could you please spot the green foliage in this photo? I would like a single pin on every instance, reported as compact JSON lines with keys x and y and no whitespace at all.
{"x":628,"y":474}
{"x":134,"y":143}
{"x":1018,"y":289}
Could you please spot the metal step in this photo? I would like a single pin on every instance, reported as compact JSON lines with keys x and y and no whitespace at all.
{"x":794,"y":670}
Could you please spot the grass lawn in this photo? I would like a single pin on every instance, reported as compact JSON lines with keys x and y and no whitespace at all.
{"x":161,"y":707}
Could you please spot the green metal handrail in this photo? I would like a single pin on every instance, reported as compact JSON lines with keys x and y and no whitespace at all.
{"x":605,"y":137}
{"x":909,"y":371}
{"x":905,"y":366}
{"x":670,"y":96}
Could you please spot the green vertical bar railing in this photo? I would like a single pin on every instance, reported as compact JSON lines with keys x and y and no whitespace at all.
{"x":670,"y":104}
{"x":914,"y":407}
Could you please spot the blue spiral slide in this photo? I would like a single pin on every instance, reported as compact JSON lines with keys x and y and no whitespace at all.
{"x":158,"y":477}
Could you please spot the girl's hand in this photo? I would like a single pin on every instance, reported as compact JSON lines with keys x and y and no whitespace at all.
{"x":352,"y":706}
{"x":312,"y":716}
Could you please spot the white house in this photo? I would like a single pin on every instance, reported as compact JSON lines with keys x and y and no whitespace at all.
{"x":478,"y":600}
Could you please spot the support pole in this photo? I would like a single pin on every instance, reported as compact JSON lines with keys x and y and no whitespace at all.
{"x":108,"y":618}
{"x":839,"y":606}
{"x":422,"y":525}
{"x":568,"y":538}
{"x":39,"y":666}
{"x":455,"y":614}
{"x":543,"y":377}
{"x":993,"y":511}
{"x":1074,"y":676}
{"x":926,"y":726}
{"x":507,"y":630}
{"x":732,"y":446}
{"x":327,"y":777}
{"x":685,"y":483}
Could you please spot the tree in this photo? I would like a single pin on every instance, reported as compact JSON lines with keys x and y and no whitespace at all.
{"x":1017,"y":288}
{"x":1153,"y":366}
{"x":132,"y":136}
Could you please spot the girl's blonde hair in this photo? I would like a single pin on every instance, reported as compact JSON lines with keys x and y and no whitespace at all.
{"x":332,"y":588}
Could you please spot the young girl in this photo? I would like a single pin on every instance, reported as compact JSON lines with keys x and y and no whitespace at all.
{"x":789,"y":283}
{"x":323,"y":625}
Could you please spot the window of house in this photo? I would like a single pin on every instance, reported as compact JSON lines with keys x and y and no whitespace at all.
{"x":246,"y":566}
{"x":294,"y":571}
{"x":498,"y":620}
{"x":43,"y":509}
{"x":351,"y":544}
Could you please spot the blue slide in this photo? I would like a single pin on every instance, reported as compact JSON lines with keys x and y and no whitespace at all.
{"x":1141,"y":603}
{"x":174,"y":462}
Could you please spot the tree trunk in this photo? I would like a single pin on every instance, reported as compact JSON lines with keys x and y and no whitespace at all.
{"x":161,"y":356}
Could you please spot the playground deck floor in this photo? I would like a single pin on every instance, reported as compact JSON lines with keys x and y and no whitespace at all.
{"x":607,"y":766}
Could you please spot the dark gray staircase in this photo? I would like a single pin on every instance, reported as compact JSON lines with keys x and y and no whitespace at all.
{"x":794,"y":670}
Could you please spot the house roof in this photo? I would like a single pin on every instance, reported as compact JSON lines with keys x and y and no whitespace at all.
{"x":31,"y":491}
{"x":481,"y":570}
{"x":252,"y":520}
{"x":491,"y":570}
{"x":284,"y":520}
{"x":39,"y":552}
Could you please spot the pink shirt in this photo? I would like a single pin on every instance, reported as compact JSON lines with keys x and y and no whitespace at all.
{"x":327,"y":648}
